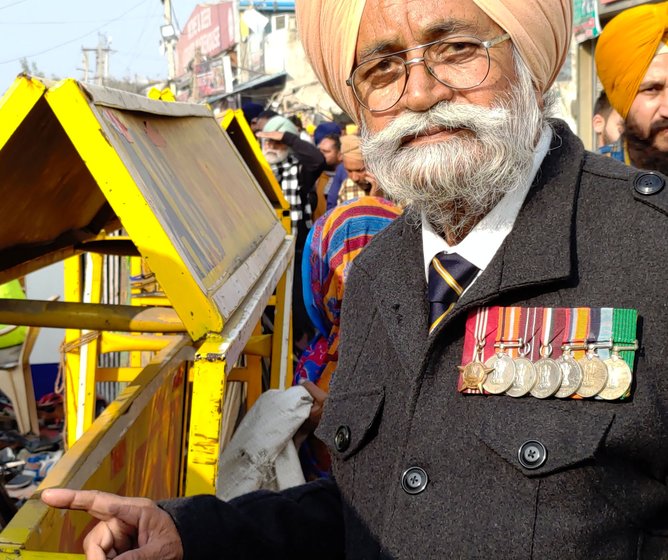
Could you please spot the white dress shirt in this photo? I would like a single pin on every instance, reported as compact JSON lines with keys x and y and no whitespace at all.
{"x":485,"y":239}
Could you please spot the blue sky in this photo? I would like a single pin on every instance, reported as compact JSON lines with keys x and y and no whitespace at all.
{"x":51,"y":33}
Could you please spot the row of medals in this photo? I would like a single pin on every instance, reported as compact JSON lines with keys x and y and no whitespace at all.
{"x":564,"y":377}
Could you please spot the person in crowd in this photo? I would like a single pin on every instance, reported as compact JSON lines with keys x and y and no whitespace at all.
{"x":258,"y":123}
{"x":251,"y":111}
{"x":325,"y":128}
{"x":330,"y":148}
{"x":322,"y":130}
{"x":359,"y":182}
{"x":297,"y":165}
{"x":508,"y":222}
{"x":632,"y":64}
{"x":608,"y":125}
{"x":335,"y":240}
{"x":296,"y":120}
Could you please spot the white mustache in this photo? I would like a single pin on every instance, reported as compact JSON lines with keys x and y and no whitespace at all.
{"x":445,"y":115}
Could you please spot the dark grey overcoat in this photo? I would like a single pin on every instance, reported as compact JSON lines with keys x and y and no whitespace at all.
{"x":584,"y":237}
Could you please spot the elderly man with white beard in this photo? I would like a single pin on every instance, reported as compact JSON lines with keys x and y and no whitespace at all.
{"x":501,"y":386}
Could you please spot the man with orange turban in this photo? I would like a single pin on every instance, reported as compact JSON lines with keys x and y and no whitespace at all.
{"x":487,"y":401}
{"x":632,"y":63}
{"x":357,"y":184}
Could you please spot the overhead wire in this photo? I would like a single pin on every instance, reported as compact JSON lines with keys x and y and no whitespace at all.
{"x":76,"y":38}
{"x":64,"y":22}
{"x":135,"y":50}
{"x":13,"y":4}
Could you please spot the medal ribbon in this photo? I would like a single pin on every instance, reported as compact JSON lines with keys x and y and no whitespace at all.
{"x":553,"y":325}
{"x":579,"y":329}
{"x":624,"y":332}
{"x":569,"y":320}
{"x":536,"y":325}
{"x":605,"y":332}
{"x":580,"y":322}
{"x":501,"y":332}
{"x":594,"y":324}
{"x":512,"y":334}
{"x":559,"y":323}
{"x":624,"y":329}
{"x":525,"y":328}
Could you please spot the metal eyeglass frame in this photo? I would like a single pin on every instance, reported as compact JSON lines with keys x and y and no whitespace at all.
{"x":420,"y":59}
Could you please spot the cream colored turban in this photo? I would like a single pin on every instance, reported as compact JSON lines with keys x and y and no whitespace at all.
{"x":540,"y":29}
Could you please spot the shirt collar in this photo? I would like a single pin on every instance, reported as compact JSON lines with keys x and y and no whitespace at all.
{"x":485,"y":239}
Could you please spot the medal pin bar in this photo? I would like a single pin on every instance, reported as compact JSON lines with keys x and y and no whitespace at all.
{"x":570,"y":369}
{"x":549,"y":372}
{"x":473,"y":374}
{"x":620,"y":373}
{"x":576,"y":345}
{"x":595,"y":372}
{"x":500,"y":379}
{"x":525,"y":372}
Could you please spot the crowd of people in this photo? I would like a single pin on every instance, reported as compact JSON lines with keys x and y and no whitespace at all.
{"x":316,"y":173}
{"x":472,"y":250}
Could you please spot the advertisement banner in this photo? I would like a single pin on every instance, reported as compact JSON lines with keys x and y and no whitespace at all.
{"x":586,"y":24}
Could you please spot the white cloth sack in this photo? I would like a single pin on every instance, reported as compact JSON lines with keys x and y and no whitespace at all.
{"x":261,"y":454}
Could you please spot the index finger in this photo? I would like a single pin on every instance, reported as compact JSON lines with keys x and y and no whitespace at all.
{"x":101,"y":505}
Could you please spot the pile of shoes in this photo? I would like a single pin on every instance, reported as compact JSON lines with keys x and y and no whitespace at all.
{"x":25,"y":460}
{"x":24,"y":473}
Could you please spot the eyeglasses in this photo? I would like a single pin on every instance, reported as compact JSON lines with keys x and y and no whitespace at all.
{"x":456,"y":62}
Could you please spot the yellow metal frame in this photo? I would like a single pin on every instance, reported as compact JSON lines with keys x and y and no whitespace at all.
{"x":76,"y":115}
{"x":101,"y":459}
{"x":234,"y":121}
{"x":16,"y":103}
{"x":208,"y":393}
{"x":193,"y":395}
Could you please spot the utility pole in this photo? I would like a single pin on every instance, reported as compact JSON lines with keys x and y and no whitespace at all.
{"x":169,"y":38}
{"x":86,"y":65}
{"x":102,"y":52}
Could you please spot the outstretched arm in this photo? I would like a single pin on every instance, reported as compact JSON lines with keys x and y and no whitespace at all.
{"x":129,"y":528}
{"x":301,"y":522}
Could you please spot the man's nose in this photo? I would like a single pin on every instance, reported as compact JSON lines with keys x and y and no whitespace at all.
{"x":423,"y":91}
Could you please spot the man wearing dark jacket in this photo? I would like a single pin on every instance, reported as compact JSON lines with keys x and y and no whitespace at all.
{"x":296,"y":164}
{"x":435,"y":454}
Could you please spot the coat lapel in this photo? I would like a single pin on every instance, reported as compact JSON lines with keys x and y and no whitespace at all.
{"x":538,"y":251}
{"x":400,"y":290}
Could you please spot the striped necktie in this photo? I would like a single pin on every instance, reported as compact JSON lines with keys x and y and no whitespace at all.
{"x":449,"y":274}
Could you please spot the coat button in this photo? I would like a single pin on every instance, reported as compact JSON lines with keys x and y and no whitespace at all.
{"x":648,"y":183}
{"x":342,"y":438}
{"x":532,"y":455}
{"x":414,"y":480}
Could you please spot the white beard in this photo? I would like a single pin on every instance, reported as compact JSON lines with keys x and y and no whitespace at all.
{"x":457,"y":181}
{"x":276,"y":156}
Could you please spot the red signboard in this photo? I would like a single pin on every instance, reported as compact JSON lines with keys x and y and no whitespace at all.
{"x":209,"y":28}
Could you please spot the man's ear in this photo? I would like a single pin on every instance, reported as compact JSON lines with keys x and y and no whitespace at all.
{"x":599,"y":123}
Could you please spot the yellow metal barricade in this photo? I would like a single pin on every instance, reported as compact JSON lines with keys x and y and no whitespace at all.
{"x":206,"y":228}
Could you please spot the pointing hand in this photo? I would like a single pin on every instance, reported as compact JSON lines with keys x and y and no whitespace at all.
{"x":129,"y":528}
